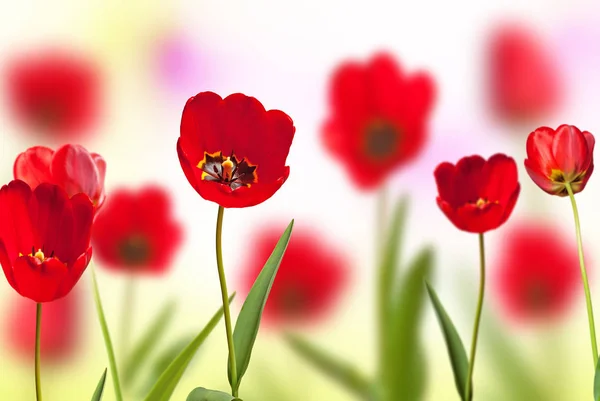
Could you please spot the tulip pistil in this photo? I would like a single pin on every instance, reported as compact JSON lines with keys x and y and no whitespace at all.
{"x":227,"y":170}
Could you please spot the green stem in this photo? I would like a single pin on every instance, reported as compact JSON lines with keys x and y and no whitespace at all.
{"x":382,"y":283}
{"x":127,"y":316}
{"x":586,"y":286}
{"x":225,"y":296}
{"x":38,"y":330}
{"x":468,"y":385}
{"x":112,"y":361}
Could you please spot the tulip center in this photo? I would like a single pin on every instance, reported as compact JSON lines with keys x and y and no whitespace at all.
{"x":537,"y":296}
{"x":293,"y":301}
{"x":482,"y":202}
{"x":39,"y":254}
{"x":227,"y":170}
{"x":134,"y":250}
{"x":48,"y":113}
{"x":381,"y":139}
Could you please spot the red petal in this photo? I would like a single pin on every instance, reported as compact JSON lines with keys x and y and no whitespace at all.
{"x":39,"y":281}
{"x":570,"y":149}
{"x":469,"y":179}
{"x":33,"y":166}
{"x":539,"y":149}
{"x":200,"y":129}
{"x":16,"y":229}
{"x":74,"y":274}
{"x":540,"y":179}
{"x":445,"y":181}
{"x":75,"y":170}
{"x":500,"y":174}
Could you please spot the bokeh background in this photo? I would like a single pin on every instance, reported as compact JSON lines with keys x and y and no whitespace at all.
{"x":154,"y":55}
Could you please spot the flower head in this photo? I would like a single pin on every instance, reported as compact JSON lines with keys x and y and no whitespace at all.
{"x":54,"y":93}
{"x":232,"y":151}
{"x":378,"y":119}
{"x":44,"y":239}
{"x":310,"y":279}
{"x":478,"y":195}
{"x":537,"y":272}
{"x":136,"y":232}
{"x":555,"y":158}
{"x":71,"y":167}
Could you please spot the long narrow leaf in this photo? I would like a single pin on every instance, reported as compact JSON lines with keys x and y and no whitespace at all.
{"x":138,"y":357}
{"x":456,"y":349}
{"x":100,"y":388}
{"x":248,"y":321}
{"x":406,"y":353}
{"x":203,"y":394}
{"x":166,"y":384}
{"x":346,"y":375}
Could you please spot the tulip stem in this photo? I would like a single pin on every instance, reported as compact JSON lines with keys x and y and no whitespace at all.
{"x":586,"y":285}
{"x":127,"y":317}
{"x":383,"y":281}
{"x":468,"y":385}
{"x":225,"y":296}
{"x":38,"y":330}
{"x":112,"y":361}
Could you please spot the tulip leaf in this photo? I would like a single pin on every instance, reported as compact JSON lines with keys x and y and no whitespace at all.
{"x":202,"y":394}
{"x":387,"y":280}
{"x":597,"y":383}
{"x":348,"y":376}
{"x":100,"y":387}
{"x":138,"y":357}
{"x":456,"y":349}
{"x":248,"y":321}
{"x":165,"y":386}
{"x":406,"y":352}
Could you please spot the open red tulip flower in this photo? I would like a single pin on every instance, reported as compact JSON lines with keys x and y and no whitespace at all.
{"x":44,"y":239}
{"x":378,"y":118}
{"x":478,"y":195}
{"x":232,"y":151}
{"x":136,"y":231}
{"x":537,"y":278}
{"x":311,"y":276}
{"x":71,"y":167}
{"x":54,"y":93}
{"x":560,"y":158}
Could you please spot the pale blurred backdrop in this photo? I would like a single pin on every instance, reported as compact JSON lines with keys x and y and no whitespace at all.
{"x":155,"y":55}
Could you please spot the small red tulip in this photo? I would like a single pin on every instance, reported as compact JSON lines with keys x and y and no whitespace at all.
{"x":71,"y":167}
{"x":537,"y":272}
{"x":44,"y":239}
{"x":378,"y":118}
{"x":136,"y":232}
{"x":555,"y":158}
{"x":478,"y":195}
{"x":232,"y":150}
{"x":310,"y":279}
{"x":55,"y":93}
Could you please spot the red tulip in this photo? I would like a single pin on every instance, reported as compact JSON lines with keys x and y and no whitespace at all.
{"x":136,"y":231}
{"x":378,"y":119}
{"x":54,"y":93}
{"x":71,"y":167}
{"x":478,"y":195}
{"x":61,"y":329}
{"x":44,"y":239}
{"x":555,"y":158}
{"x":537,"y":272}
{"x":523,"y":80}
{"x":232,"y":151}
{"x":310,"y":278}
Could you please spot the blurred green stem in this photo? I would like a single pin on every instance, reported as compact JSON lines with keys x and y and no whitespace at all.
{"x":586,"y":286}
{"x":127,"y":317}
{"x":468,"y":385}
{"x":383,"y":302}
{"x":38,"y":330}
{"x":112,"y":361}
{"x":225,"y":296}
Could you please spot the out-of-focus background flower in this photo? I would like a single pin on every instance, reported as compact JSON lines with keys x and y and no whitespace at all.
{"x":501,"y":69}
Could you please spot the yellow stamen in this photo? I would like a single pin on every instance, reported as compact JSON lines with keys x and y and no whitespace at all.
{"x":40,"y":255}
{"x":227,"y":169}
{"x":480,"y":202}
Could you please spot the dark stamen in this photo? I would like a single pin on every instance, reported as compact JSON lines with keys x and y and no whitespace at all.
{"x":52,"y":254}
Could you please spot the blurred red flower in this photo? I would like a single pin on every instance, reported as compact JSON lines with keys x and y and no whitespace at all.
{"x":71,"y":167}
{"x":310,"y":279}
{"x":136,"y":232}
{"x":478,"y":195}
{"x":378,"y":118}
{"x":44,"y":239}
{"x":232,"y":151}
{"x":537,"y":271}
{"x":60,"y":334}
{"x":55,"y":93}
{"x":558,"y":157}
{"x":523,"y":79}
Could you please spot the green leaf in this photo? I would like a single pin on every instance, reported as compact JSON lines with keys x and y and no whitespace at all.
{"x":100,"y":387}
{"x":138,"y":357}
{"x":456,"y":349}
{"x":597,"y":383}
{"x":386,"y":281}
{"x":406,"y":353}
{"x":165,"y":386}
{"x":348,"y":376}
{"x":202,"y":394}
{"x":248,"y":321}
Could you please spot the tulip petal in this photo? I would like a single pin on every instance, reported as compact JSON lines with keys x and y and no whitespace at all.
{"x":539,"y":149}
{"x":39,"y":281}
{"x":33,"y":166}
{"x":570,"y":150}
